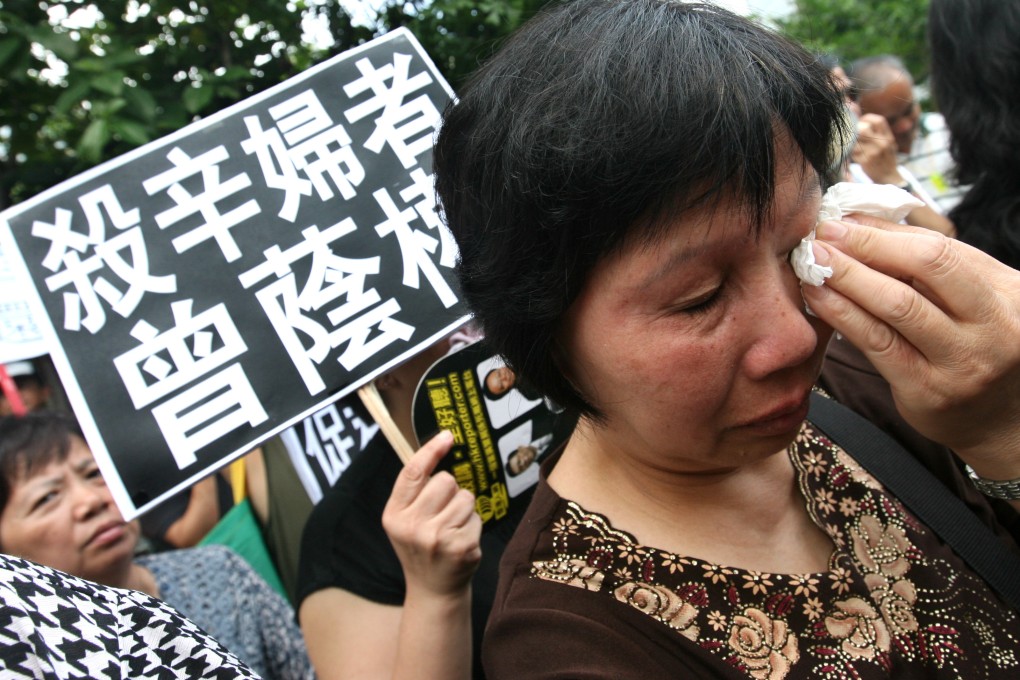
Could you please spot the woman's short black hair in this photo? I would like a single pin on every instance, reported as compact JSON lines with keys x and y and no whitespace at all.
{"x":975,"y":53}
{"x":29,"y":443}
{"x":598,"y":121}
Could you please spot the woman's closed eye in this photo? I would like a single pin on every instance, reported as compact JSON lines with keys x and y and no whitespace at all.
{"x":700,"y":304}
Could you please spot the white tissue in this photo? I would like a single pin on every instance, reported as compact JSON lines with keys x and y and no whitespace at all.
{"x":880,"y":200}
{"x":804,"y":266}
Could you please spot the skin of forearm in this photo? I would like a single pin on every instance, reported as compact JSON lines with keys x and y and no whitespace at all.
{"x":200,"y":516}
{"x":435,"y":637}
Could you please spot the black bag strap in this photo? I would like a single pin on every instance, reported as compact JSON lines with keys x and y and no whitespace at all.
{"x":923,"y":494}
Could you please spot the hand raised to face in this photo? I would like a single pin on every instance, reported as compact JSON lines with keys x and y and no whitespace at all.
{"x":941,"y":321}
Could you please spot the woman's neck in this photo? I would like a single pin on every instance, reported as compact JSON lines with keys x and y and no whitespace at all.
{"x":139,"y":578}
{"x":751,"y":517}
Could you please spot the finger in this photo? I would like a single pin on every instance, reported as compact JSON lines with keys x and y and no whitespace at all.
{"x":883,"y":309}
{"x":435,"y":496}
{"x":885,"y":225}
{"x":415,"y":475}
{"x":458,"y":510}
{"x":875,"y":124}
{"x":943,"y":270}
{"x":895,"y":358}
{"x":464,"y":539}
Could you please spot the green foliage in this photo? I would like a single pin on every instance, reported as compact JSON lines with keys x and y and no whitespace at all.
{"x":852,"y":29}
{"x":71,"y":98}
{"x":460,"y":34}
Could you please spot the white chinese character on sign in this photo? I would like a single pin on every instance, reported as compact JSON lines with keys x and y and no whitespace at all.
{"x":323,"y":442}
{"x":207,"y":411}
{"x":415,"y":247}
{"x":406,"y":126}
{"x":195,"y":348}
{"x":331,"y":278}
{"x":365,"y":430}
{"x":124,"y":255}
{"x":215,"y":225}
{"x":423,"y":187}
{"x":311,"y":143}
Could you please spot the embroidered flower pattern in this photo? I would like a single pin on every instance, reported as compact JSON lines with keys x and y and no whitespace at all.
{"x":673,"y":562}
{"x":859,"y":627}
{"x":895,"y":600}
{"x":825,"y":501}
{"x":716,"y":573}
{"x":841,"y":578}
{"x":836,"y":534}
{"x":815,"y":464}
{"x":765,"y":646}
{"x":758,"y":583}
{"x":804,"y":585}
{"x":565,"y":527}
{"x":864,"y":614}
{"x":813,"y":608}
{"x":572,"y":572}
{"x":717,"y":620}
{"x":661,"y":603}
{"x":880,"y":548}
{"x":631,"y":552}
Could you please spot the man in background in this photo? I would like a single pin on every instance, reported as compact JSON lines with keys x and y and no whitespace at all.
{"x":31,"y":385}
{"x":885,"y":87}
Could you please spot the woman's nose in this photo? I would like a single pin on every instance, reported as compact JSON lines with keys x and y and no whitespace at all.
{"x":782,"y":335}
{"x":89,"y":499}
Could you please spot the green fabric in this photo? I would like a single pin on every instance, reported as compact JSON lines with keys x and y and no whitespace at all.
{"x":239,"y":531}
{"x":289,"y":508}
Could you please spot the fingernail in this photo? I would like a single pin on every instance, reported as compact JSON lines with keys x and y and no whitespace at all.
{"x":821,"y":254}
{"x":814,"y":292}
{"x":830,"y":230}
{"x":444,"y":437}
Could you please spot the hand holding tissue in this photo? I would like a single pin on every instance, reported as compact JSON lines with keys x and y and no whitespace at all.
{"x":939,"y":319}
{"x":880,"y":200}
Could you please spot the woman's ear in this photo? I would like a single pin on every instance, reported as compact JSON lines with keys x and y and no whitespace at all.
{"x":386,"y":381}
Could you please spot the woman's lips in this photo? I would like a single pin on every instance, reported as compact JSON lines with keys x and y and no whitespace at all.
{"x":107,"y":534}
{"x":779,"y":421}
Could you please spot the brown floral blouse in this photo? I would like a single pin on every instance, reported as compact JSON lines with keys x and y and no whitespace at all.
{"x":895,"y":601}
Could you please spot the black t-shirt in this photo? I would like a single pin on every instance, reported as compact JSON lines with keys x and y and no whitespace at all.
{"x":344,"y":545}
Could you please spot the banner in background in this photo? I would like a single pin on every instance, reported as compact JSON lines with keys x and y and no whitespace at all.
{"x":323,"y":445}
{"x":20,"y":337}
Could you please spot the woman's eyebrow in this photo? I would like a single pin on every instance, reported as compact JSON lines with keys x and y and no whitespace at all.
{"x":677,"y":257}
{"x":38,"y":483}
{"x":810,"y":189}
{"x":84,"y":464}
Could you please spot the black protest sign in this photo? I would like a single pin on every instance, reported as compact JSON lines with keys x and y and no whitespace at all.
{"x":207,"y":290}
{"x":501,"y":430}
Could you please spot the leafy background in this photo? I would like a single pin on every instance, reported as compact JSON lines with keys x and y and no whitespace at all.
{"x":82,"y":81}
